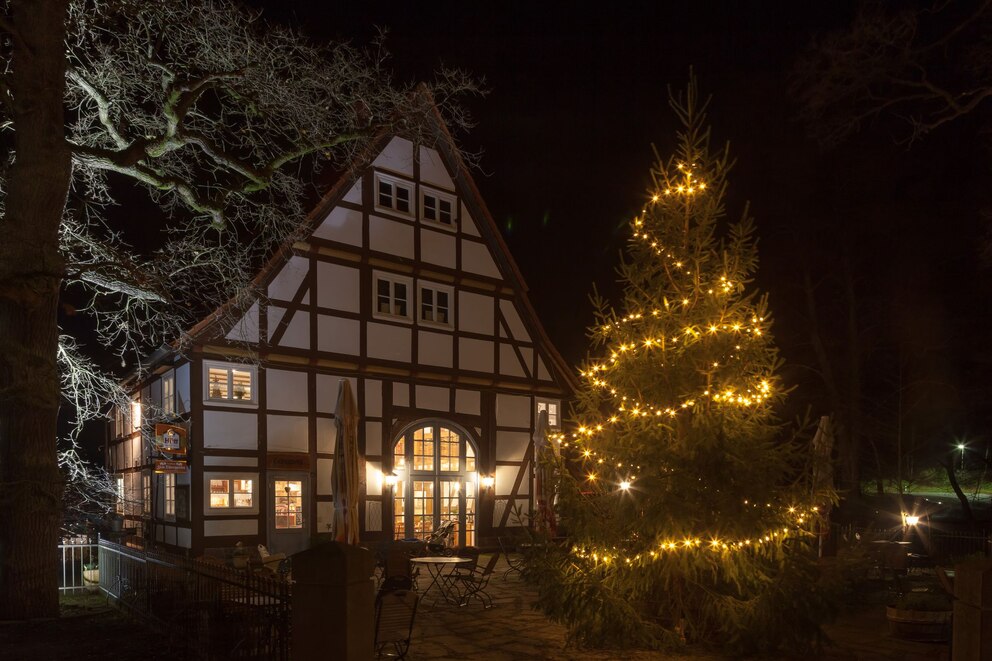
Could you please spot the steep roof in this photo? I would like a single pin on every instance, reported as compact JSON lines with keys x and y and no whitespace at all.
{"x":434,"y":130}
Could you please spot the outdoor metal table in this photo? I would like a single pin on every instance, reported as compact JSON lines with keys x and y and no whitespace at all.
{"x":440,"y":580}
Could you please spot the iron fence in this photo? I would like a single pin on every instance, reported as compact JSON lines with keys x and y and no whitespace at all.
{"x":219,"y":612}
{"x":941,"y":545}
{"x":77,"y":564}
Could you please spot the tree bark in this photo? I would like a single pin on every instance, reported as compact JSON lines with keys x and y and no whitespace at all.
{"x":31,"y":270}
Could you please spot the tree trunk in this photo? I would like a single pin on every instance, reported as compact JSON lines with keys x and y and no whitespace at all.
{"x":948,"y":465}
{"x":31,"y":270}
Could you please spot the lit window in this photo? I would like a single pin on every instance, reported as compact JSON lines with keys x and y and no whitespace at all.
{"x":135,"y":415}
{"x":288,"y":504}
{"x":169,"y":489}
{"x":392,"y":296}
{"x":437,"y":208}
{"x":435,"y":305}
{"x":393,"y":194}
{"x":230,"y":383}
{"x":146,"y":493}
{"x":227,"y":493}
{"x":120,"y":494}
{"x":552,"y":409}
{"x":169,"y":394}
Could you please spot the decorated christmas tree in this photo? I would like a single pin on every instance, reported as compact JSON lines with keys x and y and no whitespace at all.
{"x":683,"y":496}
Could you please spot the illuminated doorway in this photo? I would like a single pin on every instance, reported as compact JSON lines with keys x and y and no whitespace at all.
{"x":436,"y":466}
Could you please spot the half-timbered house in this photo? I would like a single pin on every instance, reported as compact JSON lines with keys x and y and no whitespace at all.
{"x":406,"y":289}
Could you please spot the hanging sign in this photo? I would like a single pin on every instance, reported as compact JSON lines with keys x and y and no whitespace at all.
{"x":170,"y":439}
{"x":171,"y":466}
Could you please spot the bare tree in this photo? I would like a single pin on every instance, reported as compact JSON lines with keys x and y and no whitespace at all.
{"x":924,"y":66}
{"x":214,"y":114}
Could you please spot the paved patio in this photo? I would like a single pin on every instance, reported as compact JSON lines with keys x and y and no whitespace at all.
{"x":512,"y":630}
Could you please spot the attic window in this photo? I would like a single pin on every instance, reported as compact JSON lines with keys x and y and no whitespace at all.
{"x":437,"y":208}
{"x":393,"y":194}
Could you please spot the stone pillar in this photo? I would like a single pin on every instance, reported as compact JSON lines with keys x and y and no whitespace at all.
{"x":973,"y":611}
{"x":333,"y":603}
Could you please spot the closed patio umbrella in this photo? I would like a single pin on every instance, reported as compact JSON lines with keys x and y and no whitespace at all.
{"x":544,"y":484}
{"x":345,"y":477}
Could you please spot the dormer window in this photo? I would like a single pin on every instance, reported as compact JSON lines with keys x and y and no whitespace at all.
{"x":393,"y":194}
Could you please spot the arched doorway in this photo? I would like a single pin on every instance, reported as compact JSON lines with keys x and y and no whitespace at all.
{"x":435,"y":463}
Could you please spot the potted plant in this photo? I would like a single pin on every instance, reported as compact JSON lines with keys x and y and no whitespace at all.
{"x":923,"y":616}
{"x":91,"y":576}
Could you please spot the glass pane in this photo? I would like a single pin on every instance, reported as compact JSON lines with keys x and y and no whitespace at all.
{"x":450,"y":496}
{"x":442,"y":307}
{"x":423,"y":508}
{"x":399,"y":455}
{"x":469,"y":458}
{"x":402,"y":199}
{"x":217,"y":376}
{"x":241,"y":384}
{"x":399,"y":299}
{"x":445,"y":213}
{"x":399,"y":511}
{"x":427,"y":304}
{"x":219,"y":494}
{"x":242,"y":493}
{"x":429,"y":207}
{"x":470,"y":514}
{"x":288,"y":504}
{"x":423,"y":449}
{"x":449,"y":450}
{"x":385,"y":194}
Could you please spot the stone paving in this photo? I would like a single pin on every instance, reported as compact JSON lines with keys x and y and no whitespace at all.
{"x":512,"y":631}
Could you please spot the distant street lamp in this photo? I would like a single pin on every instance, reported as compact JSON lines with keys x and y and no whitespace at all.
{"x":961,"y":447}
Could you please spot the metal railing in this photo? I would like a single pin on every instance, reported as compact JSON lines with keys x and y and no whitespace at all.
{"x":941,"y":545}
{"x":219,"y":612}
{"x":77,"y":564}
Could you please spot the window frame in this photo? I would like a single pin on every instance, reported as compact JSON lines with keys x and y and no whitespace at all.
{"x":146,"y":493}
{"x":396,"y":183}
{"x":230,"y":477}
{"x":169,"y":405}
{"x":538,"y":401}
{"x":466,"y":475}
{"x":229,"y":400}
{"x":438,"y":197}
{"x":436,"y":289}
{"x":393,"y":280}
{"x":169,"y":489}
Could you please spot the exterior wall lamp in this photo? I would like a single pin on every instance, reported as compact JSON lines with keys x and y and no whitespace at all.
{"x":487,"y":481}
{"x":391,"y":480}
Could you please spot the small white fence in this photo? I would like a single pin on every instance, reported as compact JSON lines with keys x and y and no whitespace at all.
{"x":78,"y":564}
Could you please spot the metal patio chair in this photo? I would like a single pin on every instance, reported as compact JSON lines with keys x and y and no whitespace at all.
{"x":515,"y":564}
{"x":395,"y":611}
{"x":474,"y":583}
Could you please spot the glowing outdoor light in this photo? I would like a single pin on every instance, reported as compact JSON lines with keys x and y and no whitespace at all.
{"x":625,"y":485}
{"x":391,"y":480}
{"x":487,"y":481}
{"x":910,"y":519}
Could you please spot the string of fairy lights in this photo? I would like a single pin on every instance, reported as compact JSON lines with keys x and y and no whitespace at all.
{"x":628,"y":407}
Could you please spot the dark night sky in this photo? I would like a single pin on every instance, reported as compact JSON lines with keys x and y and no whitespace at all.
{"x":577,"y":97}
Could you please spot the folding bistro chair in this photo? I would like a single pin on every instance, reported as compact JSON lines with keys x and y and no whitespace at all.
{"x":515,"y":564}
{"x":395,"y":611}
{"x":474,"y":583}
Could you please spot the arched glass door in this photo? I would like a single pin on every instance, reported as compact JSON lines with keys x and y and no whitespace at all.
{"x":436,"y":467}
